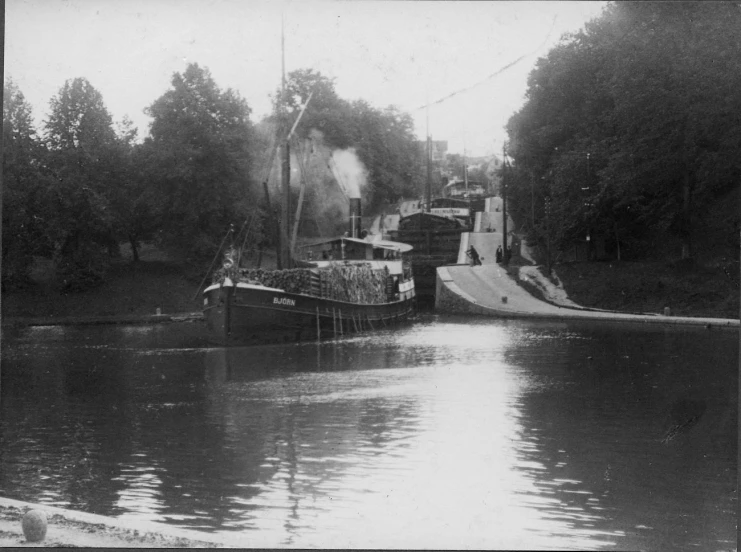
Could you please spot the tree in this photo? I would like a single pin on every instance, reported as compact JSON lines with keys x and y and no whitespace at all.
{"x":387,"y":146}
{"x":199,"y":160}
{"x":631,"y":125}
{"x":326,"y":112}
{"x":131,"y":197}
{"x":383,"y":139}
{"x":81,"y":143}
{"x":676,"y":108}
{"x":26,"y":212}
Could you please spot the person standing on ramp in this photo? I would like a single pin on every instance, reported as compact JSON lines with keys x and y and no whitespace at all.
{"x":474,"y":255}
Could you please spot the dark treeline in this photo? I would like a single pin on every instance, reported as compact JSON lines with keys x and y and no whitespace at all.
{"x":81,"y":186}
{"x":631,"y":133}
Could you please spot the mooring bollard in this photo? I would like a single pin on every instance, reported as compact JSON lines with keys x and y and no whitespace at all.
{"x":159,"y":311}
{"x":667,"y":311}
{"x":504,"y":298}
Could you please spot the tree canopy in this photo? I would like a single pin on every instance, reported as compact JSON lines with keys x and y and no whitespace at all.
{"x":199,"y":159}
{"x":383,"y":138}
{"x":88,"y":185}
{"x":82,"y":164}
{"x":26,"y":210}
{"x":631,"y":126}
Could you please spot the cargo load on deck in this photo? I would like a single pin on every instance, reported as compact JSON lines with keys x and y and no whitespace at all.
{"x":356,"y":283}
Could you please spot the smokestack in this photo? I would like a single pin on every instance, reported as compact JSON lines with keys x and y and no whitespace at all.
{"x":355,"y":217}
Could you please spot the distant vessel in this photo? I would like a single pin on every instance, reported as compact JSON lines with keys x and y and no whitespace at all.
{"x":465,"y":189}
{"x":454,"y":208}
{"x":435,"y":239}
{"x":434,"y":232}
{"x":471,"y":192}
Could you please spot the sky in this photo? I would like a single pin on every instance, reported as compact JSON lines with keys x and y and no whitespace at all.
{"x":468,"y":60}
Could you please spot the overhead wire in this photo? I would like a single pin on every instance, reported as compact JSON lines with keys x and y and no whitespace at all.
{"x":495,"y":73}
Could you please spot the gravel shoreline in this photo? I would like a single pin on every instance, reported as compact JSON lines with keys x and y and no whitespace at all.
{"x":69,"y":528}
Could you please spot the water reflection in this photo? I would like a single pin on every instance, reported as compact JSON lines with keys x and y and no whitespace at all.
{"x":452,"y":433}
{"x":602,"y":437}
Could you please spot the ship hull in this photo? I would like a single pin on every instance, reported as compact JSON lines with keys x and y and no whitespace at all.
{"x":245,"y":314}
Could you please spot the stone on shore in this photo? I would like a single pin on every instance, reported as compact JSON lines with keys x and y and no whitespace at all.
{"x":34,"y":525}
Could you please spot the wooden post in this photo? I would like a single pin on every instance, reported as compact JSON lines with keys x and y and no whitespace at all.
{"x":334,"y":324}
{"x":340,"y":316}
{"x":318,"y":327}
{"x":548,"y":234}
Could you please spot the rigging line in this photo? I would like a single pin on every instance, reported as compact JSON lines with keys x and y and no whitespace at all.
{"x":244,"y":242}
{"x":302,"y":167}
{"x":495,"y":73}
{"x":230,"y":231}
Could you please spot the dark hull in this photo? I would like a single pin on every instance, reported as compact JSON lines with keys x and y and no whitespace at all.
{"x":436,"y":243}
{"x":247,"y":316}
{"x":425,"y":268}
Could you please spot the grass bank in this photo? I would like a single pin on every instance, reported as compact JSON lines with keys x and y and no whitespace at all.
{"x":688,"y":289}
{"x":131,"y":288}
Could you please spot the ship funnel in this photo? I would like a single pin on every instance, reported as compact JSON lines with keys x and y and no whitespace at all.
{"x":355,"y":217}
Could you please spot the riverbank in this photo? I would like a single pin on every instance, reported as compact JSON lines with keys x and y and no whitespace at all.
{"x":686,"y":288}
{"x":132,"y":289}
{"x":73,"y":529}
{"x":134,"y":292}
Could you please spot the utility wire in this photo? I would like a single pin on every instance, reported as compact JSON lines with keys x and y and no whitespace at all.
{"x":495,"y":73}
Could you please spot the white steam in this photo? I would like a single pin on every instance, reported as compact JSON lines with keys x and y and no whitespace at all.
{"x":349,"y":171}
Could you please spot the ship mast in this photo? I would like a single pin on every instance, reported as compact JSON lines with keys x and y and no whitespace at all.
{"x":284,"y":258}
{"x":505,"y":260}
{"x":428,"y":194}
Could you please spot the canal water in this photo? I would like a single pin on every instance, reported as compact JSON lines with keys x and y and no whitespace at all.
{"x":451,"y":432}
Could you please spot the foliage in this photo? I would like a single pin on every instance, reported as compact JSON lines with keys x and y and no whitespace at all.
{"x":83,"y":164}
{"x":81,"y":269}
{"x":26,"y":209}
{"x":131,"y":197}
{"x":631,"y":126}
{"x":87,"y":186}
{"x":383,"y":139}
{"x":385,"y":142}
{"x":326,"y":112}
{"x":199,"y":160}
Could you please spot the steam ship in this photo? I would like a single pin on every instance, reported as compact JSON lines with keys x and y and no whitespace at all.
{"x":341,"y":286}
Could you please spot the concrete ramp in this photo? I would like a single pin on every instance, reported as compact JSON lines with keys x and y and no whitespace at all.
{"x":487,"y":234}
{"x":490,"y":287}
{"x":490,"y":291}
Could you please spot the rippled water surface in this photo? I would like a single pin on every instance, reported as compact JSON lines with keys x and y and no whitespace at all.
{"x":452,"y":432}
